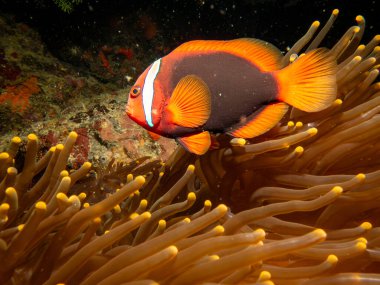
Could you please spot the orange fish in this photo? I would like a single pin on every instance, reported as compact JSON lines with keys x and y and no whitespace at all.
{"x":235,"y":87}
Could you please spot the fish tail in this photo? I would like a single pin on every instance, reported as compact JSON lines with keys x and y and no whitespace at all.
{"x":309,"y":84}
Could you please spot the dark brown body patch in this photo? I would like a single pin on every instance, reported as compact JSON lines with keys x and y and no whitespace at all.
{"x":238,"y":87}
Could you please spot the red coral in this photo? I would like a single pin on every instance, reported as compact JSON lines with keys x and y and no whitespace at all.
{"x":18,"y":95}
{"x":49,"y":139}
{"x":82,"y":146}
{"x":8,"y":71}
{"x":103,"y":58}
{"x":127,"y":52}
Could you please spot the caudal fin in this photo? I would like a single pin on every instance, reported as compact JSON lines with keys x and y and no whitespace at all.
{"x":309,"y":84}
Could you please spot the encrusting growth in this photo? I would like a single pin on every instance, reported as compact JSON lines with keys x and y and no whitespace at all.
{"x":301,"y":201}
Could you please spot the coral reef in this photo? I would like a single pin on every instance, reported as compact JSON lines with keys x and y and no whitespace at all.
{"x":301,"y":203}
{"x":37,"y":92}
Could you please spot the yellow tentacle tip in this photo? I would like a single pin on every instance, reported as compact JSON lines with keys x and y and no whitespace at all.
{"x":260,"y":232}
{"x":59,"y":147}
{"x":191,"y":196}
{"x":361,"y":246}
{"x":73,"y":135}
{"x":207,"y":203}
{"x":140,"y":179}
{"x":219,"y":229}
{"x":10,"y":191}
{"x":241,"y":141}
{"x":335,"y":12}
{"x":129,"y":177}
{"x":338,"y":102}
{"x":356,"y":30}
{"x":173,"y":250}
{"x":293,"y":57}
{"x":366,"y":226}
{"x":133,"y":216}
{"x":316,"y":24}
{"x":372,"y":60}
{"x":264,"y":275}
{"x":191,"y":168}
{"x":238,"y":141}
{"x":66,"y":180}
{"x":4,"y":156}
{"x":362,"y":239}
{"x":97,"y":220}
{"x":74,"y":199}
{"x":40,"y":205}
{"x":82,"y":196}
{"x":161,"y":174}
{"x":320,"y":233}
{"x":222,"y":208}
{"x":162,"y":223}
{"x":186,"y":220}
{"x":312,"y":131}
{"x":16,"y":140}
{"x":116,"y":208}
{"x":337,"y":190}
{"x":359,"y":19}
{"x":332,"y":259}
{"x":290,"y":124}
{"x":299,"y":124}
{"x":146,"y":215}
{"x":20,"y":227}
{"x":144,"y":203}
{"x":4,"y":207}
{"x":299,"y":149}
{"x":87,"y":165}
{"x":11,"y":170}
{"x":61,"y":196}
{"x":360,"y":177}
{"x":32,"y":137}
{"x":214,"y":257}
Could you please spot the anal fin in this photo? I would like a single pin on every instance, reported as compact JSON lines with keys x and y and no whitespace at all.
{"x":198,"y":143}
{"x":260,"y":121}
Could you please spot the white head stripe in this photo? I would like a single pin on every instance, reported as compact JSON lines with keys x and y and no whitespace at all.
{"x":148,"y":91}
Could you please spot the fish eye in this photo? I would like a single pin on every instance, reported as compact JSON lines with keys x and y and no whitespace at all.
{"x":135,"y":91}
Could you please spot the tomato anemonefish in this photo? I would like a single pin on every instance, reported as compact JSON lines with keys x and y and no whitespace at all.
{"x":234,"y":87}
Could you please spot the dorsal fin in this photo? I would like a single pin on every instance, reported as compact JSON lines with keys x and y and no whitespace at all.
{"x":262,"y":54}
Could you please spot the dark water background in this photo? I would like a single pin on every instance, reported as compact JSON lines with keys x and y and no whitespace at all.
{"x":171,"y":22}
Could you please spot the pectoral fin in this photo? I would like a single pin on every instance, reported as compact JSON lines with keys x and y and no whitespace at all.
{"x":198,"y":143}
{"x":190,"y":104}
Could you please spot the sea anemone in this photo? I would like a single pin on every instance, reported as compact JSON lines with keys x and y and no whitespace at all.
{"x":300,"y":201}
